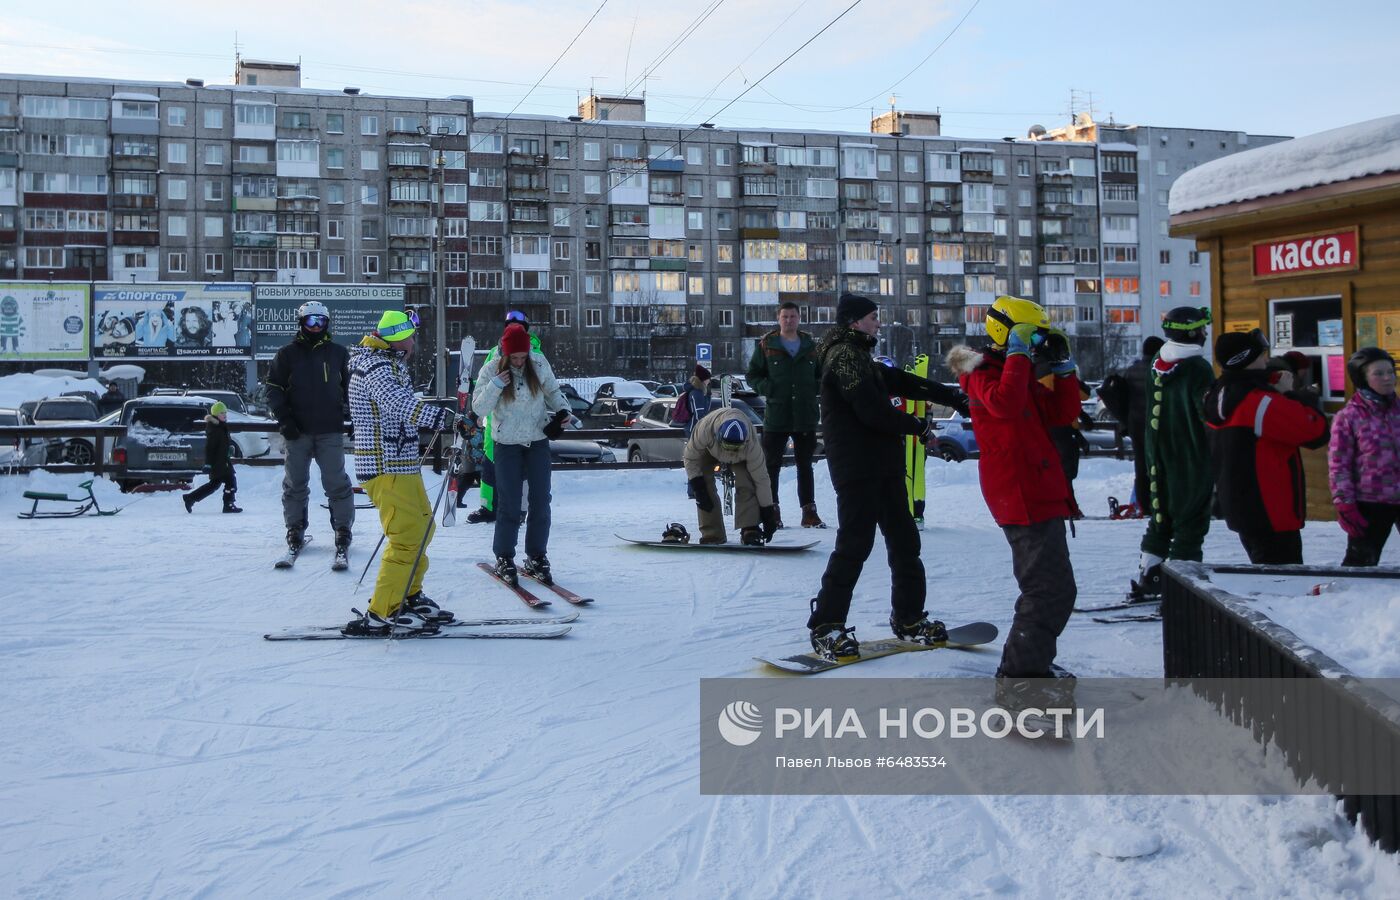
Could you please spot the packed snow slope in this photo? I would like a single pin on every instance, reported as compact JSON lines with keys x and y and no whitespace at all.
{"x":156,"y":745}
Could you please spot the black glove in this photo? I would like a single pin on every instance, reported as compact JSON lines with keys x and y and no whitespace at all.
{"x":289,"y":430}
{"x":555,"y":427}
{"x":768,"y":519}
{"x":700,"y":487}
{"x":961,"y":405}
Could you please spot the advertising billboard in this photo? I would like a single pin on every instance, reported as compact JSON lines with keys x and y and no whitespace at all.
{"x":172,"y":321}
{"x":40,"y":320}
{"x":355,"y":310}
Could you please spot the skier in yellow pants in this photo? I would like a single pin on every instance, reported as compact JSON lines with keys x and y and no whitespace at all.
{"x":387,"y":417}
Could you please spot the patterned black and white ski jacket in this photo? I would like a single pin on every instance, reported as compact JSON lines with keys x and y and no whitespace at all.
{"x":385,"y":411}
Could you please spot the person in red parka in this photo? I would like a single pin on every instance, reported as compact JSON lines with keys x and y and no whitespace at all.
{"x":1255,"y":435}
{"x":1022,"y":480}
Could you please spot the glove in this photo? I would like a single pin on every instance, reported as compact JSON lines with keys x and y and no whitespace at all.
{"x":1353,"y":522}
{"x":289,"y":430}
{"x":555,"y":427}
{"x":1023,"y":339}
{"x":701,"y":490}
{"x":962,"y":406}
{"x":449,"y":421}
{"x":768,"y":521}
{"x":1057,"y":348}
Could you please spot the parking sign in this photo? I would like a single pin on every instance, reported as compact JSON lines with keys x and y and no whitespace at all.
{"x":703,"y":354}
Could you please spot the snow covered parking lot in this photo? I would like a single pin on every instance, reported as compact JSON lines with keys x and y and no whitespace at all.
{"x":155,"y":745}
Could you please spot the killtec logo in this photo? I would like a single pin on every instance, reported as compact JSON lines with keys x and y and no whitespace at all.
{"x":740,"y":723}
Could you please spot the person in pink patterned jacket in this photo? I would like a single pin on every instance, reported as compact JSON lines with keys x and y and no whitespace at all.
{"x":1364,"y":459}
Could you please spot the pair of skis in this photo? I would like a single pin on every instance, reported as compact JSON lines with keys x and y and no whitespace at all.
{"x":340,"y":563}
{"x":457,"y":462}
{"x":531,"y":599}
{"x":1151,"y":611}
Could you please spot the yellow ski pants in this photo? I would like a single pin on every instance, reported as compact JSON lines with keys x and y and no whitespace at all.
{"x":406,"y":516}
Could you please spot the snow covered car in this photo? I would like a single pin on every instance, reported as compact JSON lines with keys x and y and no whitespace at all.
{"x":19,"y":451}
{"x":164,"y":439}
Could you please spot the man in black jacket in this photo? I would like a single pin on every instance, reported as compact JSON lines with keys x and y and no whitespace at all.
{"x":864,"y":437}
{"x":1125,"y":395}
{"x":306,"y":390}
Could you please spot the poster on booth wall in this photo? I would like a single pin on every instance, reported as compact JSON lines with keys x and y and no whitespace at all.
{"x":355,"y":310}
{"x":172,"y":321}
{"x":42,"y":320}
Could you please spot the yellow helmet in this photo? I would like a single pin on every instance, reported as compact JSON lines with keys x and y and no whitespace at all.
{"x":1008,"y":312}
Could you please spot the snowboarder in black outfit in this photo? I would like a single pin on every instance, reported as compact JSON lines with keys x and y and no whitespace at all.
{"x":216,"y":450}
{"x":865,"y":455}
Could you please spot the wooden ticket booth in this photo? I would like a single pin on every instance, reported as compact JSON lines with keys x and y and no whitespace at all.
{"x":1304,"y":243}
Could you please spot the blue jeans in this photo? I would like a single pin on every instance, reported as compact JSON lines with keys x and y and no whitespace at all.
{"x":516,"y":464}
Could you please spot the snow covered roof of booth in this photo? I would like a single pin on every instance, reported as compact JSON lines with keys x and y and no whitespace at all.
{"x":1328,"y":157}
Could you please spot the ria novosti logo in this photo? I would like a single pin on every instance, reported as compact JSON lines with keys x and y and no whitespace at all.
{"x":740,"y":723}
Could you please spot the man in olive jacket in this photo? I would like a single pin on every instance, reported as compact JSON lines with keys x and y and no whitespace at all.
{"x":784,"y":369}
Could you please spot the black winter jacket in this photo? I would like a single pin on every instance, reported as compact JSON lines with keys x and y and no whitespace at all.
{"x":864,"y":433}
{"x":308,"y":384}
{"x":216,"y":445}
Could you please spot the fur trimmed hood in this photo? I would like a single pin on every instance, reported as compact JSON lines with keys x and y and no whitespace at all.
{"x":962,"y":360}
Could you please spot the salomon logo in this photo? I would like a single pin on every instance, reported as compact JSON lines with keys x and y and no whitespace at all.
{"x":740,"y":723}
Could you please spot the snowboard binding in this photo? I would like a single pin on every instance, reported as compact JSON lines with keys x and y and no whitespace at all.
{"x":675,"y":533}
{"x":1118,"y":510}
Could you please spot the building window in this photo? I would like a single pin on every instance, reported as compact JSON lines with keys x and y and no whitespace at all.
{"x":1193,"y":257}
{"x":175,"y":226}
{"x":371,"y":264}
{"x":1195,"y":289}
{"x":593,"y":318}
{"x":369,"y":125}
{"x":1164,"y":257}
{"x":487,"y":280}
{"x":726,"y":318}
{"x":695,"y":221}
{"x":175,"y":116}
{"x":214,"y":119}
{"x":252,"y":153}
{"x":559,"y":149}
{"x":563,"y":317}
{"x":592,"y":151}
{"x":214,"y":190}
{"x":561,"y":184}
{"x":335,"y":264}
{"x":335,"y":158}
{"x":562,"y":284}
{"x":724,"y":286}
{"x":1164,"y":288}
{"x":177,"y":263}
{"x":213,"y":263}
{"x":213,"y":154}
{"x":724,"y":156}
{"x":593,"y":284}
{"x":177,"y":189}
{"x":335,"y":123}
{"x":695,"y":285}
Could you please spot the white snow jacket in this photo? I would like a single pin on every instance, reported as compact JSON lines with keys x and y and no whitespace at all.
{"x":522,"y":420}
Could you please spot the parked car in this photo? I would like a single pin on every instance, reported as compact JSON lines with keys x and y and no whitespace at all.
{"x":613,"y":412}
{"x":632,"y":390}
{"x":955,"y":441}
{"x":672,"y":389}
{"x":232,"y":399}
{"x":65,"y":410}
{"x":164,"y":439}
{"x":657,"y":414}
{"x":566,"y":451}
{"x":20,"y":451}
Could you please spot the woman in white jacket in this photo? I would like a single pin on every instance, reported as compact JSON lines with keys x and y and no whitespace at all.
{"x":519,"y":392}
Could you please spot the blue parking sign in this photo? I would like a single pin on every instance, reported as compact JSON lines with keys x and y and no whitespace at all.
{"x":703,"y":354}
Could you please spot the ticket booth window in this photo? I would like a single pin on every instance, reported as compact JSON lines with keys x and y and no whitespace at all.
{"x":1313,"y":326}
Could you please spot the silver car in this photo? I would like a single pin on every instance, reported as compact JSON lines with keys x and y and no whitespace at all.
{"x":164,"y":440}
{"x":657,"y":414}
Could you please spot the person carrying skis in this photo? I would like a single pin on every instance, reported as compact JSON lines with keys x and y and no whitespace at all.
{"x":520,"y":398}
{"x":306,"y":391}
{"x":1022,"y":480}
{"x":864,"y":437}
{"x":1364,"y":463}
{"x":487,"y":512}
{"x":216,"y":455}
{"x":1176,"y":449}
{"x":784,"y":370}
{"x":724,"y":438}
{"x":1256,"y":433}
{"x":387,"y":416}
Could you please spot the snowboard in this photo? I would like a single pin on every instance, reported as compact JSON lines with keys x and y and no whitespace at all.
{"x":335,"y":634}
{"x":732,"y":546}
{"x":969,"y":635}
{"x":914,"y":448}
{"x":457,"y":465}
{"x":289,"y":559}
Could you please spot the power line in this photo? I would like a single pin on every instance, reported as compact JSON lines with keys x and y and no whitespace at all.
{"x":672,"y":47}
{"x":571,"y":43}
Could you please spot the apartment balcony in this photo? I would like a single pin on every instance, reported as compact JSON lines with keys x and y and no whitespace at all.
{"x":671,"y":198}
{"x":666,"y":165}
{"x":134,"y":201}
{"x":1055,"y":176}
{"x":298,"y":241}
{"x":976,"y":176}
{"x":628,"y":263}
{"x":530,"y":193}
{"x":411,"y":241}
{"x":260,"y":239}
{"x":1057,"y":210}
{"x":667,"y":264}
{"x":758,"y":234}
{"x":9,"y":160}
{"x":407,"y":204}
{"x":627,"y":229}
{"x":517,"y":160}
{"x":248,"y":167}
{"x":859,"y":203}
{"x":132,"y":158}
{"x":136,"y":238}
{"x":759,"y":201}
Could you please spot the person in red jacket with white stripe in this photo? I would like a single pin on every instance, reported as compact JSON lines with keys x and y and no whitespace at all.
{"x":1022,"y":480}
{"x":1256,"y":432}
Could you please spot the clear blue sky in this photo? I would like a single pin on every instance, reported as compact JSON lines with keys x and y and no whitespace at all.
{"x":1266,"y":67}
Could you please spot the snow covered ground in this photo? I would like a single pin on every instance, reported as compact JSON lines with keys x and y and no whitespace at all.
{"x":155,"y":745}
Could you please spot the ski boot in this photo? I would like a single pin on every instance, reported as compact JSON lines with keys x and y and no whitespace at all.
{"x":189,"y":503}
{"x":835,"y":642}
{"x":400,"y":624}
{"x":343,"y":537}
{"x":752,"y":536}
{"x":295,"y":540}
{"x":810,"y":519}
{"x":537,"y":567}
{"x":231,"y":507}
{"x":675,"y":533}
{"x":925,"y":631}
{"x":426,"y":607}
{"x":1052,"y":689}
{"x":505,"y":570}
{"x":482,"y":515}
{"x":1148,"y":587}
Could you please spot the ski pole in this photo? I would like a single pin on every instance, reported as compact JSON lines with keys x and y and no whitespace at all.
{"x":422,"y":460}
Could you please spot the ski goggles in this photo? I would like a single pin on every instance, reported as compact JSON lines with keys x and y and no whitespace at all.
{"x":316,"y":321}
{"x":413,"y":317}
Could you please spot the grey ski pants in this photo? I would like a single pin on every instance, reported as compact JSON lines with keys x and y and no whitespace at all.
{"x":329,"y":452}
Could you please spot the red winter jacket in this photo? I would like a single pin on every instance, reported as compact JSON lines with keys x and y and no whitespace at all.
{"x":1012,"y":415}
{"x":1256,"y":433}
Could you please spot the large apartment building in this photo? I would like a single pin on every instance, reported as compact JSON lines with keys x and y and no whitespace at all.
{"x":626,"y":242}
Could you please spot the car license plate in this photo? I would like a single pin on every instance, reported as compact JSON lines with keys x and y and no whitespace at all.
{"x":166,"y":457}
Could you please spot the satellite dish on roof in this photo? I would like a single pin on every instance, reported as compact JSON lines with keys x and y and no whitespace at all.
{"x":1036,"y":132}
